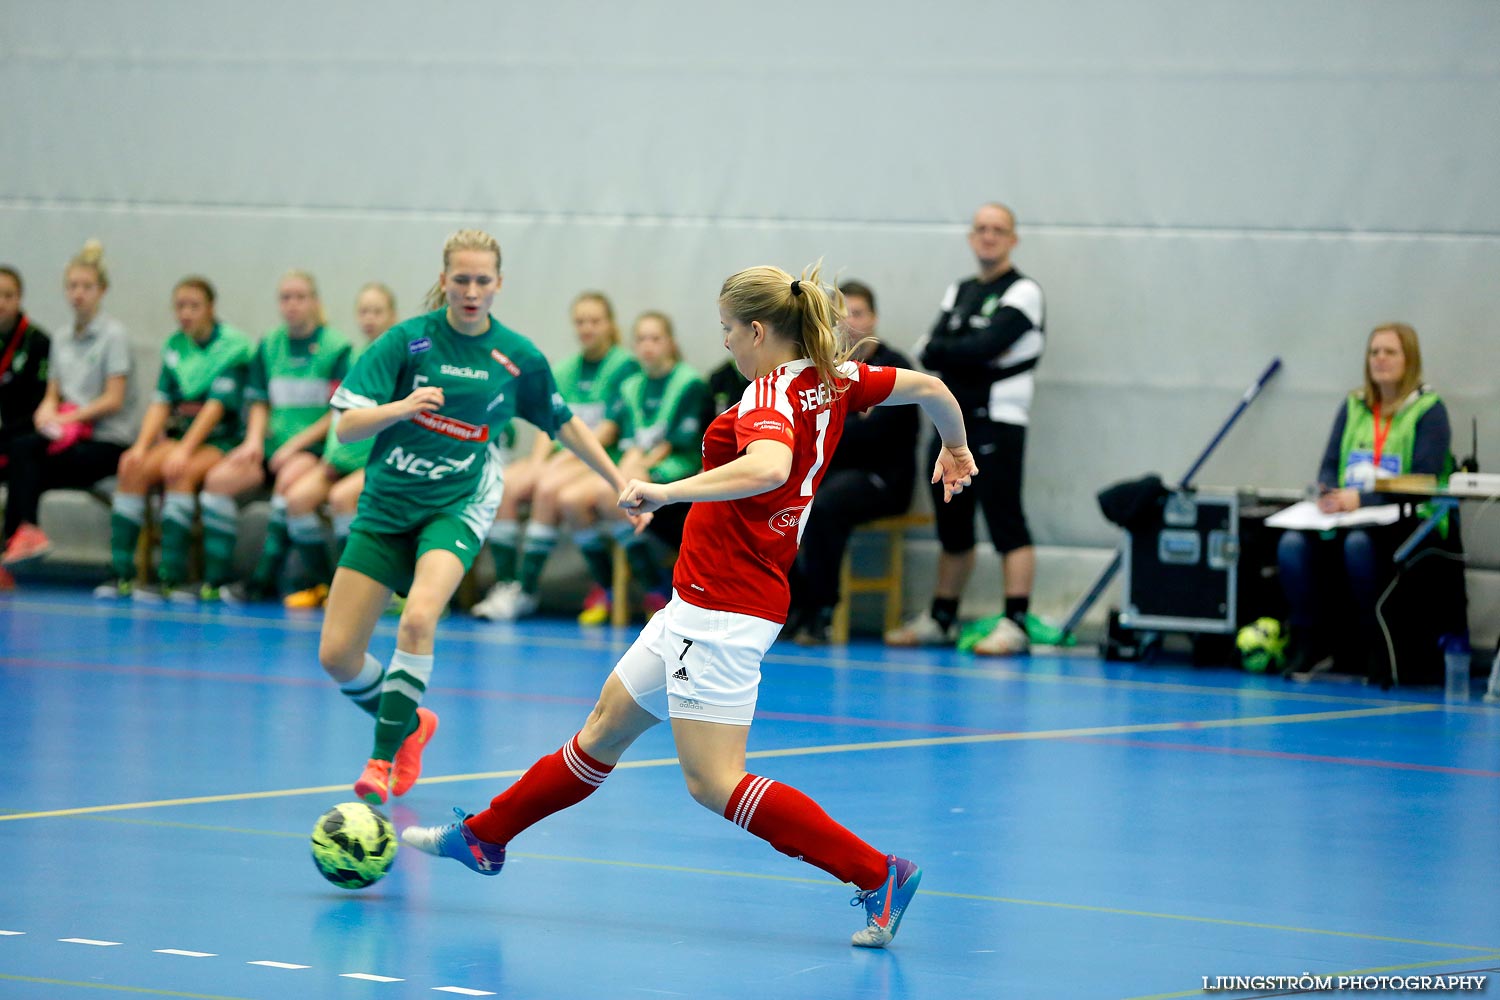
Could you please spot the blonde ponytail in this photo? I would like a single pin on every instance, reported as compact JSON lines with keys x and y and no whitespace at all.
{"x":801,"y":310}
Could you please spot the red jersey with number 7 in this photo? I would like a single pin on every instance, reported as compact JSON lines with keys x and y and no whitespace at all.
{"x":736,"y":553}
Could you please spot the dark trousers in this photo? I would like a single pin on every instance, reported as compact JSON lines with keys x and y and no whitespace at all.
{"x":1000,"y":451}
{"x":32,"y":472}
{"x":846,"y":499}
{"x":1339,"y":616}
{"x":1308,"y":564}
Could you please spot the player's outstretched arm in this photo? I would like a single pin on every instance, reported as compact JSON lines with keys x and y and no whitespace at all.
{"x":577,"y":438}
{"x":764,"y":466}
{"x":955,"y":466}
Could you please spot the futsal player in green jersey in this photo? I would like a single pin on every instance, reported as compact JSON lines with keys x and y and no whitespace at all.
{"x":292,"y":375}
{"x":193,"y":421}
{"x":659,"y":411}
{"x":339,"y":477}
{"x":588,"y":381}
{"x":433,"y":392}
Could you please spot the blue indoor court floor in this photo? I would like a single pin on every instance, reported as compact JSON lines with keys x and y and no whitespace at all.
{"x":1086,"y":829}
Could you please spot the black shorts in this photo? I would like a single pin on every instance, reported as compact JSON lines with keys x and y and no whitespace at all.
{"x":999,"y":450}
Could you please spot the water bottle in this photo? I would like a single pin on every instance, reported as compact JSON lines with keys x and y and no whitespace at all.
{"x":1456,"y":668}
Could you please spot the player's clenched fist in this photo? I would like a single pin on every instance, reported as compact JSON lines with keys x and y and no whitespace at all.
{"x":427,"y":397}
{"x":641,"y":497}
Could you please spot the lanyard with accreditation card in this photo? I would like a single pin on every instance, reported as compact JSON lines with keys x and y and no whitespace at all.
{"x":1381,"y":432}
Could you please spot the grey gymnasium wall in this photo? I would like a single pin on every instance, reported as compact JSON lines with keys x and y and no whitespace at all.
{"x":1200,"y":185}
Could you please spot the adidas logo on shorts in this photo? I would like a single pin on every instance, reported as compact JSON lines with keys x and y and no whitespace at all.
{"x":681,"y":674}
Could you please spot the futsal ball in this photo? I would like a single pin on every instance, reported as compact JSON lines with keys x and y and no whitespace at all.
{"x":1262,"y":646}
{"x":353,"y":845}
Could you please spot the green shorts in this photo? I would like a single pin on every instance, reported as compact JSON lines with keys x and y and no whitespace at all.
{"x":340,"y":460}
{"x":391,"y":560}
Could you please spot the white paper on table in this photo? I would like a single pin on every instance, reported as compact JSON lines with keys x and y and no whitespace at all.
{"x":1306,"y":516}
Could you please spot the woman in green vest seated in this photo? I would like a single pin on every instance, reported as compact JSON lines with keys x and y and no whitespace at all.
{"x":292,"y":376}
{"x":339,"y":477}
{"x":1393,"y":426}
{"x":659,"y":413}
{"x":588,"y":382}
{"x":193,"y":421}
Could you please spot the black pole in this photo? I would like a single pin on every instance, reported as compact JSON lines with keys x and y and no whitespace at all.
{"x":1095,"y":591}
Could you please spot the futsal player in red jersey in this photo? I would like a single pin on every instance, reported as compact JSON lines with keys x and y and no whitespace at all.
{"x":697,"y":662}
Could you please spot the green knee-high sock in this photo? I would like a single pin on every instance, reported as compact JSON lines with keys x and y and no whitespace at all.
{"x":595,"y":552}
{"x":220,"y":526}
{"x":502,"y":542}
{"x":364,"y":687}
{"x":400,"y":694}
{"x":540,"y":539}
{"x":273,"y":555}
{"x":364,"y":690}
{"x":126,"y":515}
{"x":176,"y":538}
{"x":306,"y":533}
{"x":643,"y":565}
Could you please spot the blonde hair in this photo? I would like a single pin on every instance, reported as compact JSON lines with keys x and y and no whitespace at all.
{"x":666,"y":324}
{"x":609,"y":311}
{"x":92,"y":258}
{"x":297,"y":274}
{"x":801,"y":310}
{"x":1411,"y":351}
{"x":464,"y":239}
{"x":383,"y":290}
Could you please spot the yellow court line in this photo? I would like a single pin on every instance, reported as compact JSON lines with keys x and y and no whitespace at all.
{"x":1348,"y":972}
{"x":975,"y":897}
{"x":1220,"y":921}
{"x":930,"y":741}
{"x":618,"y":644}
{"x":1062,"y":734}
{"x":1012,"y":901}
{"x":118,"y":989}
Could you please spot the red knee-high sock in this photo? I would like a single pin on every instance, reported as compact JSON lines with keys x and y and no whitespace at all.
{"x":558,"y":780}
{"x":797,"y":826}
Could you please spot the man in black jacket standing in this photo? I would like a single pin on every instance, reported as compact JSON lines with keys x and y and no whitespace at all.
{"x":985,"y":346}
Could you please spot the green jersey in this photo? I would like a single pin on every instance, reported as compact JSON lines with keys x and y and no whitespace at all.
{"x":193,"y":374}
{"x":446,"y":461}
{"x":652,"y":410}
{"x":590,"y":386}
{"x":296,"y":377}
{"x":345,"y":458}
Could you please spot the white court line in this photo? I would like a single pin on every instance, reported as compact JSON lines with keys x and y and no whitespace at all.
{"x":370,"y":978}
{"x":11,"y":933}
{"x":461,"y":991}
{"x":99,"y":944}
{"x":186,"y":954}
{"x":279,"y":965}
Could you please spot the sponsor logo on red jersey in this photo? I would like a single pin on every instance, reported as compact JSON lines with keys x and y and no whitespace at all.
{"x":450,"y":427}
{"x":506,"y":363}
{"x":785,"y":521}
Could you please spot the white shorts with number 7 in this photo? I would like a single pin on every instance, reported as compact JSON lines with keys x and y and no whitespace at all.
{"x":693,"y":663}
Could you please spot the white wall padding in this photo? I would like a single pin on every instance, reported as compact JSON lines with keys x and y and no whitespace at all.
{"x":1200,"y":185}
